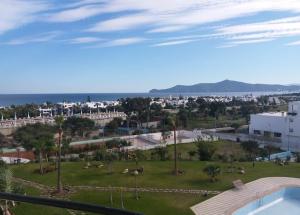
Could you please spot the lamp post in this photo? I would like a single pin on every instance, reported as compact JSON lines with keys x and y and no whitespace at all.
{"x":59,"y":122}
{"x":175,"y":151}
{"x":59,"y":183}
{"x":122,"y":200}
{"x":136,"y":173}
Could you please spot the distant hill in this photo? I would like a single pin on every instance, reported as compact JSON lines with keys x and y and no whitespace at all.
{"x":227,"y":86}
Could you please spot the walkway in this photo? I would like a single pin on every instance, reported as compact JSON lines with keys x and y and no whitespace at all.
{"x":148,"y":189}
{"x":48,"y":189}
{"x":229,"y":201}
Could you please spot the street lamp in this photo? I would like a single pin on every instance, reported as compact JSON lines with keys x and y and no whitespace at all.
{"x":136,"y":173}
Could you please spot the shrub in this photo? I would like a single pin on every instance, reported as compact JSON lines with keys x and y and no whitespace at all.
{"x":205,"y":150}
{"x":213,"y":171}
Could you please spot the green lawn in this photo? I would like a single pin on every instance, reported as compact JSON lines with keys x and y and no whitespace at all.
{"x":161,"y":203}
{"x":24,"y":208}
{"x":209,"y":122}
{"x":183,"y":149}
{"x":148,"y":203}
{"x":157,"y":174}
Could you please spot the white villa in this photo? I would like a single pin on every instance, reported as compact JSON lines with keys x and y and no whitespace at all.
{"x":281,"y":127}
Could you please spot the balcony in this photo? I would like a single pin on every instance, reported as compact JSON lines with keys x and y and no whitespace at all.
{"x":77,"y":206}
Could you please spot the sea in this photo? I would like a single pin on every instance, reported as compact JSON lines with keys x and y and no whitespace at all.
{"x":20,"y":99}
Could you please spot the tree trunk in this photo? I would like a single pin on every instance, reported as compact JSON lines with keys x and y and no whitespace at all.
{"x":41,"y":162}
{"x":122,"y":200}
{"x":59,"y":183}
{"x":111,"y":196}
{"x":46,"y":157}
{"x":175,"y":153}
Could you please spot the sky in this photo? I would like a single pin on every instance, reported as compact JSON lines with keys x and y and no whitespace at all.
{"x":101,"y":46}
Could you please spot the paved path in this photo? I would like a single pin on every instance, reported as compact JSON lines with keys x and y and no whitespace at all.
{"x":48,"y":189}
{"x":229,"y":201}
{"x":148,"y":189}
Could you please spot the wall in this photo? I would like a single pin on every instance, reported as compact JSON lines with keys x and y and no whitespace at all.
{"x":268,"y":123}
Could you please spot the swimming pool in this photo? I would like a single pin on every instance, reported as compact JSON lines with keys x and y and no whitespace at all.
{"x":284,"y":201}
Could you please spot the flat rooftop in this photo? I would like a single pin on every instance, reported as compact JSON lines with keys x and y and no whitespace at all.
{"x":277,"y":114}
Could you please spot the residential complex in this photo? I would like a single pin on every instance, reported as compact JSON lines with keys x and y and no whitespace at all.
{"x":280,"y":127}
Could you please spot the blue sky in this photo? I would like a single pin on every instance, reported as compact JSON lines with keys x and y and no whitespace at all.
{"x":65,"y":46}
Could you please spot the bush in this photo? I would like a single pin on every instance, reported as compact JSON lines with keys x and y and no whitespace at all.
{"x":100,"y":155}
{"x":140,"y":155}
{"x":95,"y":137}
{"x":74,"y":159}
{"x":213,"y":171}
{"x":205,"y":150}
{"x":297,"y":157}
{"x":117,"y":143}
{"x":160,"y":153}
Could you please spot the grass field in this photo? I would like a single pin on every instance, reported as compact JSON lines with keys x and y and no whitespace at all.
{"x":24,"y":208}
{"x":161,"y":203}
{"x":157,"y":174}
{"x":148,"y":204}
{"x":210,"y":122}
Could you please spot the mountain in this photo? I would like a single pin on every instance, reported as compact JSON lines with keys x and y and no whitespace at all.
{"x":227,"y":86}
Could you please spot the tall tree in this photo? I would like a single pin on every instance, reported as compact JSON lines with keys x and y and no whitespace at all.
{"x":59,"y":122}
{"x":37,"y":137}
{"x":5,"y":186}
{"x":252,"y":148}
{"x":173,"y":123}
{"x":78,"y":126}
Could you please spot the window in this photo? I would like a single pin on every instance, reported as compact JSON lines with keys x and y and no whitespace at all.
{"x":291,"y":120}
{"x":277,"y":134}
{"x":291,"y":130}
{"x":257,"y":132}
{"x":267,"y":134}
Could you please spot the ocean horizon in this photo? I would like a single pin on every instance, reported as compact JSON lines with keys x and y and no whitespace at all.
{"x":20,"y":99}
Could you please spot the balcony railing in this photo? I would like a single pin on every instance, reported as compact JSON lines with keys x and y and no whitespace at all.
{"x":66,"y":204}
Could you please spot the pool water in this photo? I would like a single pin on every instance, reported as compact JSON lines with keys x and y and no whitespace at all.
{"x":283,"y":202}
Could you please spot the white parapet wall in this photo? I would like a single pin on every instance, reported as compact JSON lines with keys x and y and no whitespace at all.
{"x":14,"y":160}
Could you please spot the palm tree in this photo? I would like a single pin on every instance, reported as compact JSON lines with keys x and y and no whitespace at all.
{"x":213,"y":171}
{"x":59,"y":121}
{"x":5,"y":186}
{"x":173,"y":122}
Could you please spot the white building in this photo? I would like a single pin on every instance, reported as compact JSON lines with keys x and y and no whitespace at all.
{"x":44,"y":112}
{"x":281,"y":127}
{"x":67,"y":105}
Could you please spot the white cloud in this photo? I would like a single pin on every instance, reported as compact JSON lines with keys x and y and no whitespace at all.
{"x":45,"y":37}
{"x":119,"y":42}
{"x":123,"y":23}
{"x":158,"y":16}
{"x":75,"y":14}
{"x":252,"y":32}
{"x":296,"y":43}
{"x":15,"y":13}
{"x":82,"y":40}
{"x":239,"y":42}
{"x":225,"y":46}
{"x":176,"y":42}
{"x":169,"y":15}
{"x":261,"y":31}
{"x":167,"y":29}
{"x":125,"y":41}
